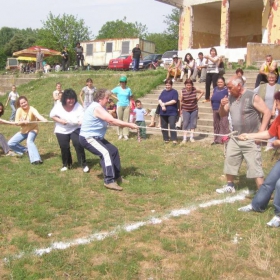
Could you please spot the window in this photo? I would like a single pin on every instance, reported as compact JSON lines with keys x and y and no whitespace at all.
{"x":125,"y":47}
{"x":109,"y":47}
{"x":89,"y":50}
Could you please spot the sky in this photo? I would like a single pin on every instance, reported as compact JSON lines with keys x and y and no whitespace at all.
{"x":95,"y":13}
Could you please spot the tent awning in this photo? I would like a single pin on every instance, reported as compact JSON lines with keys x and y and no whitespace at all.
{"x":32,"y":51}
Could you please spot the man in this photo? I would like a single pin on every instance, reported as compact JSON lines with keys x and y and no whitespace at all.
{"x":245,"y":108}
{"x":200,"y":69}
{"x":79,"y":55}
{"x":39,"y":60}
{"x":65,"y":57}
{"x":269,"y":66}
{"x":136,"y":55}
{"x":174,"y":69}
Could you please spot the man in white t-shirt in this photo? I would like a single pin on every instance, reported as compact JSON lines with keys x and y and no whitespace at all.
{"x":200,"y":69}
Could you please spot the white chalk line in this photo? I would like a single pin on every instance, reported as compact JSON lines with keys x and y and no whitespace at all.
{"x":130,"y":227}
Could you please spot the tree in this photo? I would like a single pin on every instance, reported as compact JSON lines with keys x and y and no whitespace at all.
{"x":163,"y":42}
{"x":172,"y":30}
{"x":122,"y":29}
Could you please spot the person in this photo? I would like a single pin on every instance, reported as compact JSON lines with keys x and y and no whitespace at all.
{"x":136,"y":55}
{"x":112,"y":108}
{"x":189,"y":109}
{"x":220,"y":123}
{"x":140,"y":118}
{"x":188,"y":66}
{"x":12,"y":97}
{"x":68,"y":119}
{"x":79,"y":52}
{"x":39,"y":60}
{"x":57,"y":93}
{"x":272,"y":181}
{"x":123,"y":94}
{"x":168,"y":100}
{"x":212,"y":72}
{"x":269,"y":66}
{"x":88,"y":92}
{"x":3,"y":141}
{"x":27,"y":118}
{"x":57,"y":68}
{"x":47,"y":68}
{"x":154,"y":113}
{"x":239,"y":73}
{"x":65,"y":59}
{"x":245,"y":108}
{"x":92,"y":138}
{"x":132,"y":106}
{"x":174,"y":70}
{"x":200,"y":69}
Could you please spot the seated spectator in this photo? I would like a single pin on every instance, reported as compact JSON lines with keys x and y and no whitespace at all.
{"x":200,"y":69}
{"x":174,"y":69}
{"x":188,"y":66}
{"x":57,"y":68}
{"x":239,"y":73}
{"x":269,"y":66}
{"x":112,"y":108}
{"x":154,"y":113}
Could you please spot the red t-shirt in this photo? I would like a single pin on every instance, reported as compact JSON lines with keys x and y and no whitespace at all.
{"x":275,"y":128}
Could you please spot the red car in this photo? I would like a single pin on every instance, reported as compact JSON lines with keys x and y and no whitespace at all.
{"x":120,"y":63}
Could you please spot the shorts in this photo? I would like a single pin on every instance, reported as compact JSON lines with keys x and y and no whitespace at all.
{"x":250,"y":151}
{"x":172,"y":72}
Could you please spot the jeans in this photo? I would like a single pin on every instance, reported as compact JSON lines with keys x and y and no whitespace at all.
{"x":12,"y":104}
{"x":171,"y":120}
{"x":271,"y":183}
{"x":31,"y":147}
{"x":136,"y":64}
{"x":142,"y":130}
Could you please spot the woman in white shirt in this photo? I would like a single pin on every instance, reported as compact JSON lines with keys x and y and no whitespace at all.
{"x":13,"y":96}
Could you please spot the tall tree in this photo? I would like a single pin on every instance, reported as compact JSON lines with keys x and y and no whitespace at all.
{"x":163,"y":42}
{"x":172,"y":30}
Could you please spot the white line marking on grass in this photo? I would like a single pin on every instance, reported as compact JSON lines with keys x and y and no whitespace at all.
{"x":132,"y":227}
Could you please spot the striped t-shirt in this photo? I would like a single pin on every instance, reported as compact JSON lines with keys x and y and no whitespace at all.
{"x":189,"y":100}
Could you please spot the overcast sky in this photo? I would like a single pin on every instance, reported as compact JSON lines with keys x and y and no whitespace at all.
{"x":30,"y":13}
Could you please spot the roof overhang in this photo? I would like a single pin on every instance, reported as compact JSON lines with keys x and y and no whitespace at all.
{"x":186,"y":3}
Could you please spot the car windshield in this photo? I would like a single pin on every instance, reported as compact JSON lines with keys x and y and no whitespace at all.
{"x":123,"y":57}
{"x":169,"y":54}
{"x":149,"y":57}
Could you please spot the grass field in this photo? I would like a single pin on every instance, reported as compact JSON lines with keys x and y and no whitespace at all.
{"x":41,"y":206}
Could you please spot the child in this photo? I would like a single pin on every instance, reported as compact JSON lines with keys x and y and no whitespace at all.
{"x":132,"y":107}
{"x":12,"y":97}
{"x":87,"y":93}
{"x":140,"y":120}
{"x":57,"y":93}
{"x":112,"y":108}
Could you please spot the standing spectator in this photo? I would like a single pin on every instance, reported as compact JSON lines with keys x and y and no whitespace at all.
{"x":79,"y":53}
{"x":39,"y":60}
{"x":269,"y":66}
{"x":189,"y":109}
{"x":136,"y":55}
{"x":26,"y":117}
{"x":212,"y":72}
{"x":188,"y":65}
{"x":245,"y":109}
{"x":140,"y":118}
{"x":123,"y":94}
{"x":88,"y":92}
{"x":168,"y":101}
{"x":12,"y":97}
{"x":57,"y":93}
{"x":200,"y":68}
{"x":65,"y":59}
{"x":221,"y":124}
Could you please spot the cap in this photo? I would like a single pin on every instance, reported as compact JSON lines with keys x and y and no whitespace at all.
{"x":175,"y":56}
{"x":123,"y":79}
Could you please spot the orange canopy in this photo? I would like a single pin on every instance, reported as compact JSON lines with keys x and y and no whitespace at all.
{"x":32,"y":51}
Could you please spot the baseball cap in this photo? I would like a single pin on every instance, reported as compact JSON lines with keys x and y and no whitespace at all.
{"x":175,"y":56}
{"x":123,"y":79}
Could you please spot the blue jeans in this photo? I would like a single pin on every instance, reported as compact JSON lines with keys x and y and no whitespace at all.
{"x":12,"y":104}
{"x":31,"y":147}
{"x":136,"y":64}
{"x":271,"y":183}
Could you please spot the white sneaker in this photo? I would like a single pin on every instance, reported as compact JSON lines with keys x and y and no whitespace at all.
{"x":226,"y":189}
{"x":120,"y":137}
{"x":192,"y":140}
{"x":268,"y":148}
{"x":173,"y":80}
{"x":64,"y":168}
{"x":274,"y":222}
{"x":86,"y":169}
{"x":246,"y":208}
{"x":125,"y":138}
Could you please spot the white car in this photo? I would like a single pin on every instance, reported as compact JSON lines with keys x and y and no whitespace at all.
{"x":167,"y":58}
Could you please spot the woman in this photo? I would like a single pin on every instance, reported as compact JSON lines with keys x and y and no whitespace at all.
{"x":26,"y":117}
{"x":189,"y":109}
{"x":88,"y":92}
{"x":168,"y":101}
{"x":93,"y":130}
{"x":221,"y":124}
{"x":3,"y":142}
{"x":122,"y":93}
{"x":68,"y":117}
{"x":272,"y":181}
{"x":188,"y":66}
{"x":212,"y":72}
{"x":13,"y":96}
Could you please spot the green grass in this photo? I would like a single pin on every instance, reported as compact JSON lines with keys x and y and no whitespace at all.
{"x":40,"y":205}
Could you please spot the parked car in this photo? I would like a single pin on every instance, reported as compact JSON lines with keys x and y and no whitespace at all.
{"x":167,"y":58}
{"x":146,"y":62}
{"x":120,"y":63}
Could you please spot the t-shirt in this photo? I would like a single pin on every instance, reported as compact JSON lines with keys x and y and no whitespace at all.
{"x":212,"y":67}
{"x":29,"y":115}
{"x":73,"y":117}
{"x":140,"y":114}
{"x":266,"y":92}
{"x":136,"y":53}
{"x":123,"y":95}
{"x":165,"y":96}
{"x":13,"y":95}
{"x":275,"y":128}
{"x":88,"y":95}
{"x":64,"y":55}
{"x":218,"y":95}
{"x":189,"y":100}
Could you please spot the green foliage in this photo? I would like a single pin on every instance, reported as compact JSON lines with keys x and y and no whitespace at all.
{"x":122,"y":29}
{"x":6,"y":34}
{"x":163,"y":42}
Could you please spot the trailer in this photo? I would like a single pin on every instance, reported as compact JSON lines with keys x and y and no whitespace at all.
{"x":97,"y":53}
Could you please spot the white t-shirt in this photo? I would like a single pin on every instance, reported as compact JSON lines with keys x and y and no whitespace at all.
{"x":200,"y":62}
{"x":73,"y":117}
{"x":13,"y":95}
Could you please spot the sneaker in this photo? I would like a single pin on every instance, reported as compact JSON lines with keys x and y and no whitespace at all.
{"x":192,"y":140}
{"x":64,"y":168}
{"x":246,"y":208}
{"x":274,"y":222}
{"x":122,"y":180}
{"x":268,"y":148}
{"x":226,"y":189}
{"x":11,"y":154}
{"x":86,"y":169}
{"x":113,"y":186}
{"x":120,"y":137}
{"x":125,"y":138}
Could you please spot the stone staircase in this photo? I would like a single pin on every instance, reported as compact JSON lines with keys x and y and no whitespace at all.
{"x":205,"y":121}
